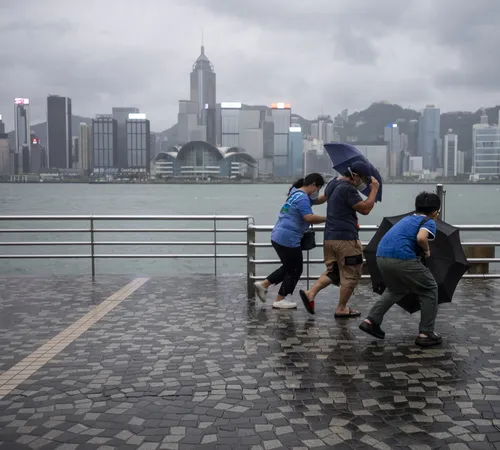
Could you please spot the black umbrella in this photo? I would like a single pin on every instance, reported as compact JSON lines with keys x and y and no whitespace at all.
{"x":447,"y":262}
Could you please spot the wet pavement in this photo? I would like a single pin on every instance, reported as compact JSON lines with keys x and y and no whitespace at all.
{"x":191,"y":363}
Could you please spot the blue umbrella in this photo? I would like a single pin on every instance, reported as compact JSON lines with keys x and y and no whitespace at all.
{"x":344,"y":155}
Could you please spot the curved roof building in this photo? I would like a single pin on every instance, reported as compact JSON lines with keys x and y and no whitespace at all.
{"x":200,"y":159}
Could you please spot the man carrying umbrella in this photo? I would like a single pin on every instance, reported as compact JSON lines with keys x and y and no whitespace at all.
{"x":403,"y":273}
{"x":343,"y":252}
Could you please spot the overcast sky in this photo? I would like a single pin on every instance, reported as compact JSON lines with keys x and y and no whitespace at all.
{"x":318,"y":55}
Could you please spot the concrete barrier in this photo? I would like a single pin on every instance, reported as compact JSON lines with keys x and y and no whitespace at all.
{"x":483,"y":251}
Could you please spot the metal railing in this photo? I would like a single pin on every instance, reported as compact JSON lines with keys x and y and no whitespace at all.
{"x":253,"y":245}
{"x":92,"y":230}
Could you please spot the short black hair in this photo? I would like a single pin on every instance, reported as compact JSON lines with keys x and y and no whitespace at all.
{"x":427,"y":203}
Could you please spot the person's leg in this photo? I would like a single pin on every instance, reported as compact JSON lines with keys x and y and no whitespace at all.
{"x":325,"y":279}
{"x":425,"y":287}
{"x":293,"y":265}
{"x":350,"y":261}
{"x":274,"y":278}
{"x":395,"y":290}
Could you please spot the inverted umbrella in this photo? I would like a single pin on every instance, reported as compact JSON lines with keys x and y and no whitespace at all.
{"x":344,"y":155}
{"x":447,"y":262}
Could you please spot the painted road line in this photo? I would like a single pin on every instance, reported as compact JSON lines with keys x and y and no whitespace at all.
{"x":16,"y":375}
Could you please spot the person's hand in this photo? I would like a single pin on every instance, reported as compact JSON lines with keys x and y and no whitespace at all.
{"x":374,"y":185}
{"x":427,"y":253}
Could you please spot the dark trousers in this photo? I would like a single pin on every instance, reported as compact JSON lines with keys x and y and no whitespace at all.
{"x":291,"y":270}
{"x":402,"y":278}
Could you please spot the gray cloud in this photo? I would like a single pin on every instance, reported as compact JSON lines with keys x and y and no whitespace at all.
{"x":321,"y":55}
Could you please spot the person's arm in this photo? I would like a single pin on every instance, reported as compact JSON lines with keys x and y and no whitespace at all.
{"x":426,"y":233}
{"x":304,"y":207}
{"x":314,"y":219}
{"x":365,"y":207}
{"x":321,"y":199}
{"x":423,"y":241}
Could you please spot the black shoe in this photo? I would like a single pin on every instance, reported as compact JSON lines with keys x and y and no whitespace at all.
{"x":429,"y":340}
{"x":372,"y":329}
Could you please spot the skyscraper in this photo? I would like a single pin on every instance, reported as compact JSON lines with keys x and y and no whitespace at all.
{"x":450,"y":154}
{"x":486,"y":149}
{"x":2,"y":126}
{"x":429,"y":137}
{"x":85,"y":147}
{"x":322,"y":129}
{"x":59,"y":132}
{"x":5,"y":155}
{"x":22,"y":134}
{"x":281,"y":114}
{"x":203,"y":89}
{"x":104,"y":142}
{"x":393,"y":139}
{"x":38,"y":159}
{"x":138,"y":142}
{"x":121,"y":116}
{"x":296,"y":146}
{"x":230,"y":124}
{"x":413,"y":137}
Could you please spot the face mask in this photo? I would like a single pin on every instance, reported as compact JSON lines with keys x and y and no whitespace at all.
{"x":361,"y":187}
{"x":314,"y":196}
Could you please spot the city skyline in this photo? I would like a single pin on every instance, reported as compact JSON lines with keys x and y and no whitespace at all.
{"x":405,"y":55}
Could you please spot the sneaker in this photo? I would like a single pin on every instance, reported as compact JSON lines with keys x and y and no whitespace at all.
{"x":307,"y":303}
{"x":261,"y":292}
{"x":284,"y":304}
{"x":430,"y":340}
{"x":372,"y":329}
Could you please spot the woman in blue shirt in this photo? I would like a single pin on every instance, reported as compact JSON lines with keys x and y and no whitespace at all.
{"x":294,"y":219}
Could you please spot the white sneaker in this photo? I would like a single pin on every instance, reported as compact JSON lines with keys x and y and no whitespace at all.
{"x":261,"y":292}
{"x":284,"y":304}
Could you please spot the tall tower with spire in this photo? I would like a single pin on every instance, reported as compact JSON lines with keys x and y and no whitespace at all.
{"x":203,"y":85}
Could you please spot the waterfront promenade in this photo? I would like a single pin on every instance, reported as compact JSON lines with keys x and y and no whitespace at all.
{"x":190,"y":363}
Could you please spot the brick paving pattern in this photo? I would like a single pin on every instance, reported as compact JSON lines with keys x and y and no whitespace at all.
{"x":191,"y":363}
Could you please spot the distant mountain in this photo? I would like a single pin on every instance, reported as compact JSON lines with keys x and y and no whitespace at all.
{"x":40,"y":129}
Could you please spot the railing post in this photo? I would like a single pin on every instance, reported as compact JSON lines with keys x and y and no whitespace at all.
{"x":307,"y":262}
{"x":215,"y":246}
{"x":441,"y":193}
{"x":250,"y":259}
{"x":92,"y":254}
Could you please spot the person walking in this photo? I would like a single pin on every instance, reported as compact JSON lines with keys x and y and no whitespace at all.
{"x":295,"y":218}
{"x":343,"y":251}
{"x":404,"y":273}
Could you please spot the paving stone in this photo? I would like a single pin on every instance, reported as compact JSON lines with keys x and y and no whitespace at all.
{"x":179,"y":365}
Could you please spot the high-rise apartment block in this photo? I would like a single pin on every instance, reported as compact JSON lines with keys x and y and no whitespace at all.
{"x":105,"y":142}
{"x":22,"y":151}
{"x":450,"y":155}
{"x":281,"y":114}
{"x":486,"y":149}
{"x":59,"y":132}
{"x":138,"y":142}
{"x":429,"y":137}
{"x":120,"y":115}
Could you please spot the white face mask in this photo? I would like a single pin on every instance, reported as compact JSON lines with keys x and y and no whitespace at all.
{"x":314,"y":196}
{"x":361,"y":187}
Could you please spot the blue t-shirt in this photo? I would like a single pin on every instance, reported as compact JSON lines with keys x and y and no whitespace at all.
{"x":291,"y":225}
{"x":341,"y":219}
{"x":400,"y":242}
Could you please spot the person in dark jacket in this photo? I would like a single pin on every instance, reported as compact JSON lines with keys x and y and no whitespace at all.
{"x":343,"y":252}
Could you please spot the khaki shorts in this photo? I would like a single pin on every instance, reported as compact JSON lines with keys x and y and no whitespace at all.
{"x":349,"y":257}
